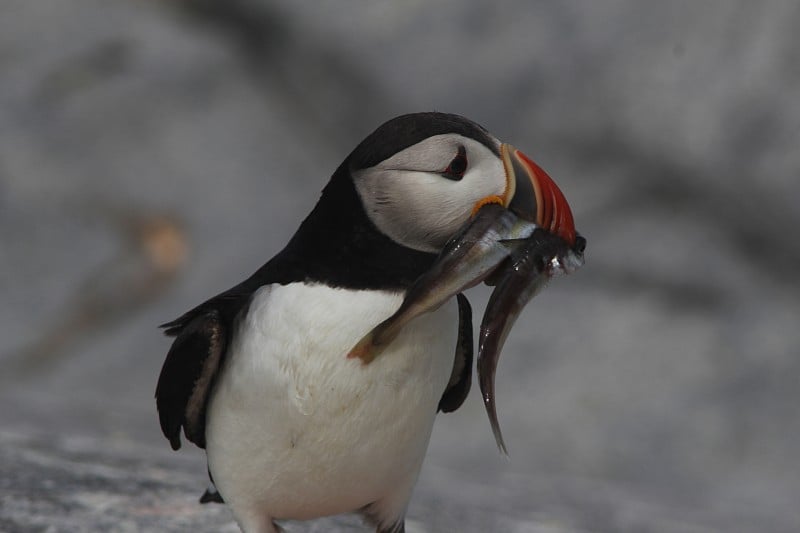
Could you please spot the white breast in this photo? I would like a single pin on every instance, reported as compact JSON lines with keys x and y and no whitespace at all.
{"x":297,"y":430}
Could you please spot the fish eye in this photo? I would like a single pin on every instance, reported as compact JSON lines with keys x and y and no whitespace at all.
{"x":458,"y":166}
{"x":580,"y":244}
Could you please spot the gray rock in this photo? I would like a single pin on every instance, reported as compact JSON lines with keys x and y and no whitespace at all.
{"x":74,"y":484}
{"x":61,"y":483}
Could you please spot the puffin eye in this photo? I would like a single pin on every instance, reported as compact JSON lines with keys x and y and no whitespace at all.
{"x":455,"y":170}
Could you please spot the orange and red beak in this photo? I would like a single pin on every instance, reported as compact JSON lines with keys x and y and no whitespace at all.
{"x":532,"y":195}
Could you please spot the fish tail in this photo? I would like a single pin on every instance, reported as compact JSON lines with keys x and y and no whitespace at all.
{"x":365,"y":349}
{"x":491,"y":410}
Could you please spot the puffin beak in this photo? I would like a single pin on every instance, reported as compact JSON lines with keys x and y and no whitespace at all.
{"x":533,"y":196}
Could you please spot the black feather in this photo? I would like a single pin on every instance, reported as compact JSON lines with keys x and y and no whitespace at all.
{"x":187,"y":376}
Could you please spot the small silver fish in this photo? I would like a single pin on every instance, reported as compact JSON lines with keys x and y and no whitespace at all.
{"x":466,"y":260}
{"x":540,"y":257}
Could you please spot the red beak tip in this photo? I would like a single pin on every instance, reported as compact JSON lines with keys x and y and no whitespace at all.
{"x":555,"y":213}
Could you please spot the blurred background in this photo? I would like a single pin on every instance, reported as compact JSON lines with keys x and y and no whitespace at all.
{"x":155,"y":153}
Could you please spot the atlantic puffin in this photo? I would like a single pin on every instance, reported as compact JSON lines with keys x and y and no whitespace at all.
{"x":259,"y":375}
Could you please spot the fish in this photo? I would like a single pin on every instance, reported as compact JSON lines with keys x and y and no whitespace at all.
{"x":485,"y":241}
{"x":532,"y":264}
{"x":516,"y":256}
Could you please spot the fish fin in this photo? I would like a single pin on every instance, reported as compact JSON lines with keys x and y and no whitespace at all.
{"x":373,"y":343}
{"x":364,"y":349}
{"x":461,"y":377}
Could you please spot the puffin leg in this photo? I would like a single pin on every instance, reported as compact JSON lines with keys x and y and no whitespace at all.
{"x":258,"y":524}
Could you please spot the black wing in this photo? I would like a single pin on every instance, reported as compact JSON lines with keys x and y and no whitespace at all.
{"x":190,"y":370}
{"x":188,"y":373}
{"x":461,"y":378}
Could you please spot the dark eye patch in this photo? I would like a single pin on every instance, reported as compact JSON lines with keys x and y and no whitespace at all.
{"x":457,"y":167}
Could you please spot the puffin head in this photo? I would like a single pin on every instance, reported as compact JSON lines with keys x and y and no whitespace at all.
{"x":421,"y":176}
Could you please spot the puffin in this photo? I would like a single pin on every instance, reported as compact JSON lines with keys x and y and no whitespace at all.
{"x":259,"y":375}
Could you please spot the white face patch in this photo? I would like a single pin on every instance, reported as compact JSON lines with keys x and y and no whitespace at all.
{"x":408,"y":199}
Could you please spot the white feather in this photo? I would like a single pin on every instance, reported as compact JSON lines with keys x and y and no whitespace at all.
{"x":296,"y":430}
{"x":406,"y":197}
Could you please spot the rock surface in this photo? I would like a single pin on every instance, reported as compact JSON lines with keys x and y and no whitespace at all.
{"x":155,"y":153}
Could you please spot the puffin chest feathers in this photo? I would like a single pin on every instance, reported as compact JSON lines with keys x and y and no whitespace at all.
{"x":291,"y":412}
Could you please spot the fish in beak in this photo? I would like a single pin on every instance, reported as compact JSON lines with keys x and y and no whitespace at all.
{"x":465,"y":261}
{"x":554,"y":248}
{"x":542,"y":256}
{"x":516,"y":241}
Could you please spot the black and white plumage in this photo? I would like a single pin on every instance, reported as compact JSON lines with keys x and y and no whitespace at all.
{"x":258,"y":375}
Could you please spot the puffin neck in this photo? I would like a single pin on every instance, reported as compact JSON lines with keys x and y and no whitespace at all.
{"x":339,"y":246}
